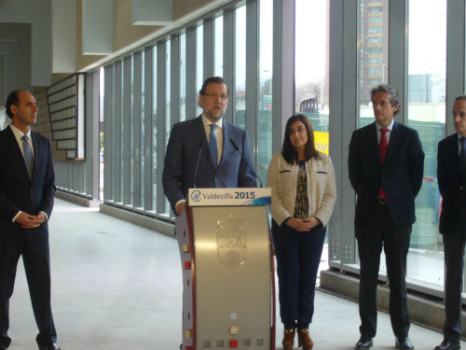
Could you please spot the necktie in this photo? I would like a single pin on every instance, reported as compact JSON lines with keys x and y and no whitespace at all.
{"x":27,"y":154}
{"x":383,"y":144}
{"x":463,"y":156}
{"x":213,"y":146}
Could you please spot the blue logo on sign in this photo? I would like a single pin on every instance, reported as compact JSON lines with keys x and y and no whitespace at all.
{"x":196,"y":195}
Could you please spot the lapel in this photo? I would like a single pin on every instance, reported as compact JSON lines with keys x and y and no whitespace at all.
{"x":453,"y":156}
{"x":374,"y":149}
{"x":201,"y":139}
{"x":227,"y":146}
{"x":36,"y":146}
{"x":16,"y":151}
{"x":200,"y":131}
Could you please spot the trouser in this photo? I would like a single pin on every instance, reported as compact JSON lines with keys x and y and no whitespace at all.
{"x":298,"y":258}
{"x":395,"y":241}
{"x":453,"y":245}
{"x":34,"y":248}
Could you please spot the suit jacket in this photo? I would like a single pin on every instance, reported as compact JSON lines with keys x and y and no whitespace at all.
{"x":401,"y":176}
{"x":451,"y":184}
{"x":17,"y":191}
{"x":188,"y":151}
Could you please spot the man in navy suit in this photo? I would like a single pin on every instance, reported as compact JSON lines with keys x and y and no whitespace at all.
{"x":207,"y":151}
{"x":451,"y":162}
{"x":385,"y":164}
{"x":27,"y":189}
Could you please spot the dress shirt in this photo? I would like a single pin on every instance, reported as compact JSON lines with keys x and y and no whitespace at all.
{"x":388,"y":134}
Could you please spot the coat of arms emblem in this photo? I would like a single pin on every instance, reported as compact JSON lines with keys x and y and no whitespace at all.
{"x":231,"y":241}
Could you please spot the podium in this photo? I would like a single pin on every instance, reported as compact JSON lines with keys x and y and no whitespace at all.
{"x":228,"y":274}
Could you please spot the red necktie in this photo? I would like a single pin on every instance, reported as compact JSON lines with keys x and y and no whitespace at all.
{"x":383,"y":144}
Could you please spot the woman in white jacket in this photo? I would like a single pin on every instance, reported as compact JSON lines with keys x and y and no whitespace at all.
{"x":303,"y":196}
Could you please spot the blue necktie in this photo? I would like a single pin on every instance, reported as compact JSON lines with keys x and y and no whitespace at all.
{"x":213,"y":146}
{"x":27,"y":154}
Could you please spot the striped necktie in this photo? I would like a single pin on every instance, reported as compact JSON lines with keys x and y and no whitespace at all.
{"x":27,"y":154}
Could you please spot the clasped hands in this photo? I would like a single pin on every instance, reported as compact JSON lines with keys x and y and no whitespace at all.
{"x":303,"y":225}
{"x":26,"y":220}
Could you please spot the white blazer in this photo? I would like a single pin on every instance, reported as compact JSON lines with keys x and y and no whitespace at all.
{"x":282,"y":178}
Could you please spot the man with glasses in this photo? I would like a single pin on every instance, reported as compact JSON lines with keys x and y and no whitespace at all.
{"x":207,"y":151}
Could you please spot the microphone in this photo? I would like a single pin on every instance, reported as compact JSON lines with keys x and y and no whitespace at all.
{"x":198,"y":160}
{"x":249,"y":165}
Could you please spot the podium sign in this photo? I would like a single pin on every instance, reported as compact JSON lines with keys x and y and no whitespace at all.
{"x":228,"y":196}
{"x":228,"y":276}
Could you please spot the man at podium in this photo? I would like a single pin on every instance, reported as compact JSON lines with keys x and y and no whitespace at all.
{"x":207,"y":151}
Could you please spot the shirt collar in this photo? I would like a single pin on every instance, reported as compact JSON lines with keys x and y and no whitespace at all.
{"x":18,"y":133}
{"x":389,"y":127}
{"x":207,"y":122}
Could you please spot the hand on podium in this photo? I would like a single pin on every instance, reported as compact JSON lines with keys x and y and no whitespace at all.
{"x":179,"y":207}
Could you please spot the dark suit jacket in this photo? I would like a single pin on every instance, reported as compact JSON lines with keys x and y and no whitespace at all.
{"x":401,"y":175}
{"x":17,"y":191}
{"x":450,"y":184}
{"x":188,"y":143}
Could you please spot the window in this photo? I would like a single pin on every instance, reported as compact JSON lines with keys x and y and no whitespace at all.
{"x":312,"y":64}
{"x":426,"y":113}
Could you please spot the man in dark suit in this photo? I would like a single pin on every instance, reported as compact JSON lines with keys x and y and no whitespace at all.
{"x":451,"y":166}
{"x":207,"y":151}
{"x":386,"y":164}
{"x":27,"y":189}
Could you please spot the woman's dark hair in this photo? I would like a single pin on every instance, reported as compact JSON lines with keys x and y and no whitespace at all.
{"x":288,"y":151}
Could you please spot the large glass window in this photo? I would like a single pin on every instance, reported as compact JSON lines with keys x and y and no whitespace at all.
{"x":426,"y":113}
{"x":183,"y":76}
{"x":154,"y":125}
{"x":218,"y":69}
{"x":199,"y":62}
{"x":239,"y":112}
{"x":264,"y":146}
{"x":312,"y":67}
{"x":373,"y":53}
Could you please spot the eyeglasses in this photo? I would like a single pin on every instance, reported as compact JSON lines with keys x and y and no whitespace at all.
{"x":222,"y":97}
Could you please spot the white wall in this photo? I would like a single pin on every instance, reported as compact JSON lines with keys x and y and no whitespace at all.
{"x":64,"y":36}
{"x":38,"y":14}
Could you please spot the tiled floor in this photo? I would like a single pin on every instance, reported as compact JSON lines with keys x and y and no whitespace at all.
{"x":118,"y":286}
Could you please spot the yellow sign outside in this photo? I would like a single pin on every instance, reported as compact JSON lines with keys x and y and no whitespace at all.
{"x":321,"y":141}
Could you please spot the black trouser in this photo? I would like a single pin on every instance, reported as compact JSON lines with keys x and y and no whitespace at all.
{"x":298,"y":258}
{"x":395,"y":241}
{"x":453,"y":245}
{"x":34,"y":248}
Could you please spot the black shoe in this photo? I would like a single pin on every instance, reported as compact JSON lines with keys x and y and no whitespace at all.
{"x":364,"y":343}
{"x":404,"y":343}
{"x":448,"y":345}
{"x":53,"y":346}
